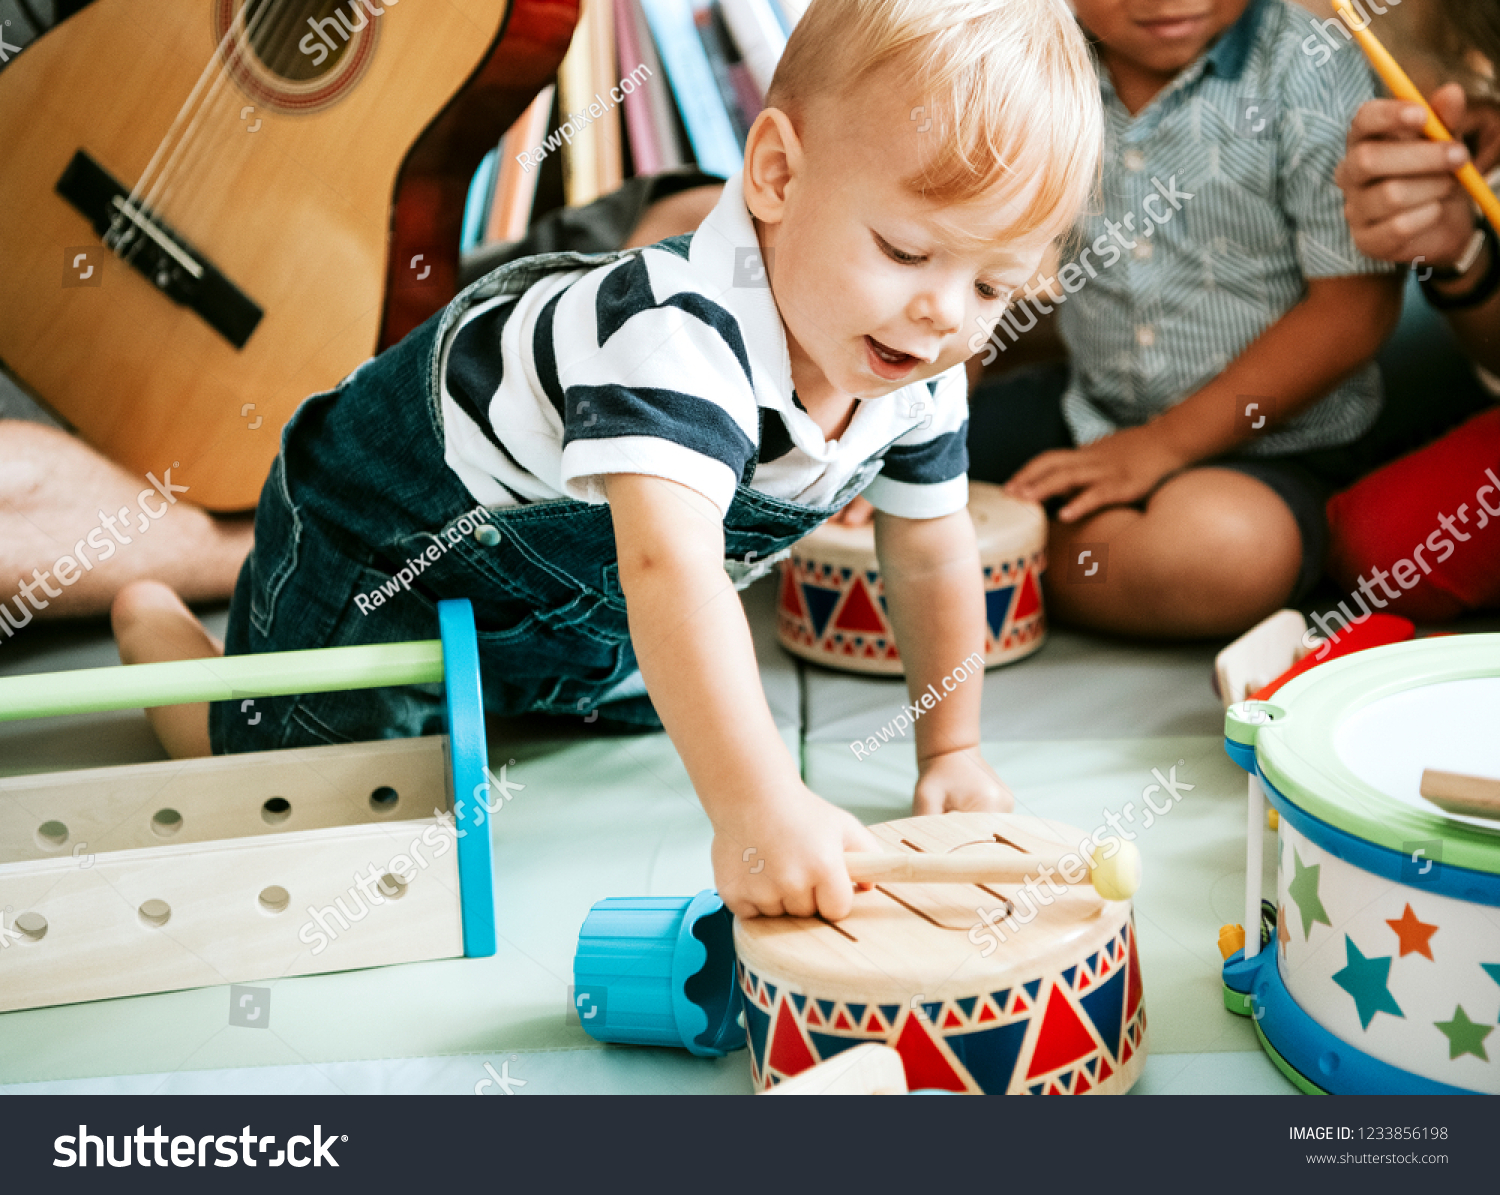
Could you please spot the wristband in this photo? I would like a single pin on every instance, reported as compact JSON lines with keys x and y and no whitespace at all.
{"x":1464,"y":264}
{"x":1482,"y":292}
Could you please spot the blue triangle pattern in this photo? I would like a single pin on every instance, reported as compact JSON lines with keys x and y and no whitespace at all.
{"x":820,"y":603}
{"x":826,"y":1045}
{"x":1037,"y":1090}
{"x":1032,"y":988}
{"x":826,"y":1008}
{"x":934,"y":1010}
{"x":966,"y":1006}
{"x":990,"y":1054}
{"x":890,"y":1012}
{"x":1069,"y":974}
{"x":800,"y":1002}
{"x":758,"y":1027}
{"x":857,"y":1013}
{"x":770,"y":993}
{"x":996,"y":607}
{"x":1105,"y":1006}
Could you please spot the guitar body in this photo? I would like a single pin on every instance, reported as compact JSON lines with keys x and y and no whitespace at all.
{"x":282,"y":210}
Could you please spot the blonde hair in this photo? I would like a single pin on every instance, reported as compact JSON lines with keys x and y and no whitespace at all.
{"x":1009,"y":86}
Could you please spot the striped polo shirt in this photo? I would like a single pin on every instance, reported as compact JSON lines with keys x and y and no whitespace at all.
{"x":672,"y":362}
{"x":1218,"y":204}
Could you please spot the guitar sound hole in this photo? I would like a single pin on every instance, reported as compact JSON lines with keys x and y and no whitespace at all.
{"x":287,"y":44}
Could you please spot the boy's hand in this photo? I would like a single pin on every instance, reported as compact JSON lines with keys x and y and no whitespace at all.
{"x":857,"y":514}
{"x":960,"y":781}
{"x":787,"y":856}
{"x":1118,"y":470}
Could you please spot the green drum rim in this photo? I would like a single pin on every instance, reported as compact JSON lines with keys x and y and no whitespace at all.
{"x":1296,"y":753}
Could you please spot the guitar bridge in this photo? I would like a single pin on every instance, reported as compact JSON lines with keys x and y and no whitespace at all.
{"x":166,"y":259}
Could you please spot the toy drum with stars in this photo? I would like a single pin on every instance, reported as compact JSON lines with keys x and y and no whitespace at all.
{"x":983,"y":984}
{"x":1384,"y":975}
{"x":832,"y":609}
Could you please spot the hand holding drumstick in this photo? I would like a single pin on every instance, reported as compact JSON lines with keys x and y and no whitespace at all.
{"x":1115,"y":874}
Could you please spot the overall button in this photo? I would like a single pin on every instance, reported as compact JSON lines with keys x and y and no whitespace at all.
{"x":1134,"y":161}
{"x":1142,"y":251}
{"x":487,"y":535}
{"x":1145,"y":336}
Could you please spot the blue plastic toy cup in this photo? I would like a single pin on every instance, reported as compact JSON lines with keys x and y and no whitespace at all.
{"x":659,"y":971}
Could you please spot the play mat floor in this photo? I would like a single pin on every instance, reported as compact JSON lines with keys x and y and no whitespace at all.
{"x":1076,"y":730}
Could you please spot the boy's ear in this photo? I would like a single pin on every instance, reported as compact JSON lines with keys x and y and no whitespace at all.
{"x":773,"y":157}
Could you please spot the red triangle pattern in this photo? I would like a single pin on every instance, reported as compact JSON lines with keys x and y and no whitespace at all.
{"x":842,"y":1021}
{"x":926,"y":1063}
{"x":1105,"y":1070}
{"x":1030,"y":601}
{"x":953,"y":1020}
{"x":859,"y":613}
{"x":1133,"y":990}
{"x":791,"y":597}
{"x":1082,"y":1085}
{"x":987,"y":1013}
{"x":1083,"y":979}
{"x":873,"y":1023}
{"x":812,"y":1014}
{"x":1125,"y":1057}
{"x":789,"y":1051}
{"x":1063,"y":1038}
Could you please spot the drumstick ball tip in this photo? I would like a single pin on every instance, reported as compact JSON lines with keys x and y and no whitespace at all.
{"x":1117,"y":876}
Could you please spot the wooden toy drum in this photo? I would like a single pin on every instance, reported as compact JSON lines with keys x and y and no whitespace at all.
{"x":1385,"y":973}
{"x":831,"y":608}
{"x":980,"y":988}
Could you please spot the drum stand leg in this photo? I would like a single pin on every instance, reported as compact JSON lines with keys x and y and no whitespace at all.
{"x":1254,"y":851}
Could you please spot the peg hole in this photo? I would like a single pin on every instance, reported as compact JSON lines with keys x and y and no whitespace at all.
{"x":275,"y":899}
{"x":166,"y":822}
{"x":392,"y":887}
{"x":275,"y":811}
{"x":155,"y":913}
{"x":51,"y":835}
{"x":384,"y":799}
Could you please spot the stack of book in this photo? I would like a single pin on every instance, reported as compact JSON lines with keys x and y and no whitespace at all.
{"x":647,"y":85}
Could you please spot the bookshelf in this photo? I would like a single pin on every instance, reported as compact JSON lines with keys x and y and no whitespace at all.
{"x":647,"y":86}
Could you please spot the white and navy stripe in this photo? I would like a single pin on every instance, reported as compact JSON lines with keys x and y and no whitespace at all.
{"x":658,"y":364}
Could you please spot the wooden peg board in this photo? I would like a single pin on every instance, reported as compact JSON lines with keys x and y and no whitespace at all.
{"x":87,"y":853}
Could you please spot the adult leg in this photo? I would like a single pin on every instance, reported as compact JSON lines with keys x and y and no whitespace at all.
{"x":1212,"y":553}
{"x":55,"y":491}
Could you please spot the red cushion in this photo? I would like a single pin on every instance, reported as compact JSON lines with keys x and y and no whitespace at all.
{"x":1392,"y":521}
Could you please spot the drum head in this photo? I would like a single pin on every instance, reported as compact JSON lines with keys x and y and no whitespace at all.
{"x":1348,"y":741}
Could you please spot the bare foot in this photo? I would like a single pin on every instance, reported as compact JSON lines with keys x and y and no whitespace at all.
{"x":152,"y":625}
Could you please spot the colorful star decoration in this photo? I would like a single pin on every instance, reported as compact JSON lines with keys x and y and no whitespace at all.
{"x":1304,"y":890}
{"x":1464,"y":1036}
{"x":1416,"y":936}
{"x":1492,"y":970}
{"x":1366,"y":980}
{"x":1283,"y":929}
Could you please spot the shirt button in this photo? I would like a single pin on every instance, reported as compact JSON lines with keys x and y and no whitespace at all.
{"x":1145,"y":336}
{"x":1134,"y":161}
{"x":1142,"y":251}
{"x":487,"y":535}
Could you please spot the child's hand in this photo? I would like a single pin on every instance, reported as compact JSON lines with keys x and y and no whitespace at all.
{"x":788,"y":857}
{"x":960,"y":781}
{"x":856,"y":514}
{"x":1118,"y":470}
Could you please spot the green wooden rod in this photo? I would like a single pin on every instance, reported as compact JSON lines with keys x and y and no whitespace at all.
{"x":222,"y":678}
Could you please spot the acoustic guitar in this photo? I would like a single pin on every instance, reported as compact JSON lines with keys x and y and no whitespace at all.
{"x":214,"y":208}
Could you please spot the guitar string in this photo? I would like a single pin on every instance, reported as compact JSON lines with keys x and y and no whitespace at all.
{"x":133,"y":200}
{"x":179,"y":163}
{"x":188,"y":184}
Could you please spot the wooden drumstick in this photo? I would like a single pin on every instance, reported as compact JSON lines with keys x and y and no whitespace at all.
{"x":1403,"y":88}
{"x":1114,"y":878}
{"x":1471,"y":796}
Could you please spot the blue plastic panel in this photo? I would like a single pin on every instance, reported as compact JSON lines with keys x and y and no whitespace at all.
{"x":469,"y":758}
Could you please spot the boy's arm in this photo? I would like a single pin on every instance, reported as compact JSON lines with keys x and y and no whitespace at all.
{"x":1338,"y":327}
{"x":935,"y":594}
{"x":693,"y":645}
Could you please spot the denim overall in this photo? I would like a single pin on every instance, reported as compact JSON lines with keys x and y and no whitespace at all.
{"x":360,"y":487}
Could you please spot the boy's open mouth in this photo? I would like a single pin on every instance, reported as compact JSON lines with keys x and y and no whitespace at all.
{"x":887,"y":362}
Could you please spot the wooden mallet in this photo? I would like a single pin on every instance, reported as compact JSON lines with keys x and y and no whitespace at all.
{"x":1470,"y":796}
{"x":1115,"y":874}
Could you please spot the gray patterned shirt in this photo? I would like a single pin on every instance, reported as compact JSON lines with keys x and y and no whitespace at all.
{"x":1218,"y":203}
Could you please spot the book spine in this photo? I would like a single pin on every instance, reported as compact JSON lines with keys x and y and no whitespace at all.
{"x":692,"y":81}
